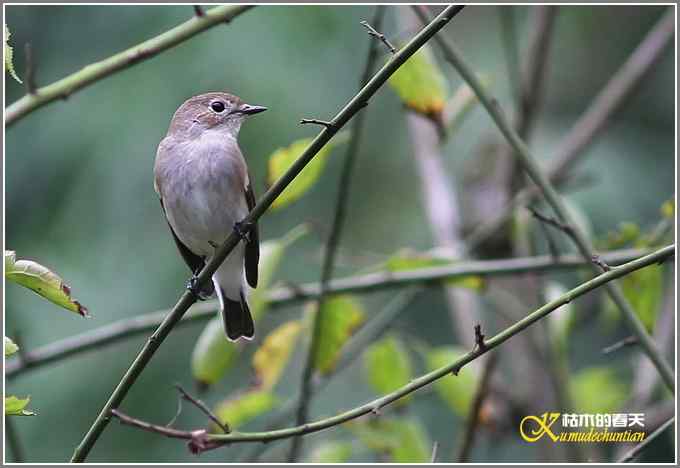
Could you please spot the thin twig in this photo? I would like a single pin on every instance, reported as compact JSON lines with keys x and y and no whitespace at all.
{"x":366,"y":335}
{"x":323,"y":123}
{"x":433,"y":455}
{"x":533,"y":170}
{"x":597,"y":260}
{"x":454,"y":367}
{"x":378,"y":35}
{"x":592,"y":122}
{"x":509,"y":40}
{"x":30,"y":69}
{"x":92,"y":73}
{"x":567,"y":229}
{"x":628,"y":341}
{"x":473,"y":417}
{"x":188,"y":298}
{"x":130,"y":327}
{"x":204,"y":408}
{"x":637,"y":450}
{"x":328,"y":264}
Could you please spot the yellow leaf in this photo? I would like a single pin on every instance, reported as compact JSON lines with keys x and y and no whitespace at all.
{"x":213,"y":354}
{"x":238,"y":411}
{"x":10,"y":347}
{"x":9,"y":53}
{"x":271,"y":358}
{"x":41,"y":280}
{"x":340,"y":316}
{"x":283,"y":158}
{"x":17,"y":406}
{"x":420,"y":84}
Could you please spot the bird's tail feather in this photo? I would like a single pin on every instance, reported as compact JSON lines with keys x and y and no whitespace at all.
{"x":236,"y":316}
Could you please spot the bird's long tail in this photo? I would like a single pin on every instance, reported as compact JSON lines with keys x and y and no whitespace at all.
{"x":229,"y":285}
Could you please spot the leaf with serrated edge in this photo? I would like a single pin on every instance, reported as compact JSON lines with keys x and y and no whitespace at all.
{"x":15,"y":406}
{"x":9,"y":55}
{"x":42,"y":281}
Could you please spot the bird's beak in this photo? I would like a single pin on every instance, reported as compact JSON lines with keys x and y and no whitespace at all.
{"x":249,"y":110}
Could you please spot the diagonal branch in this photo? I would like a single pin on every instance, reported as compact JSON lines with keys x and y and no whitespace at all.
{"x":593,"y":121}
{"x":140,"y":324}
{"x":524,"y":156}
{"x":213,"y":440}
{"x":328,"y":264}
{"x":94,"y":72}
{"x":635,"y":451}
{"x":188,"y":298}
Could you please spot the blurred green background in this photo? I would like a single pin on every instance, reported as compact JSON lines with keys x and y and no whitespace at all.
{"x":80,"y":199}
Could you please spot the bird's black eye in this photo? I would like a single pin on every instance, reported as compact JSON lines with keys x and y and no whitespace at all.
{"x":217,"y":106}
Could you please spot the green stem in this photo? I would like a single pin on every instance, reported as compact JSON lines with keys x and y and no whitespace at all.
{"x":328,"y":264}
{"x":140,"y":324}
{"x":525,"y":158}
{"x":628,"y":457}
{"x":358,"y":102}
{"x":94,"y":72}
{"x":453,"y":368}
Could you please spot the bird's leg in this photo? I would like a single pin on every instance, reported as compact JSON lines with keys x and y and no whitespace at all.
{"x":242,"y":230}
{"x":192,"y":286}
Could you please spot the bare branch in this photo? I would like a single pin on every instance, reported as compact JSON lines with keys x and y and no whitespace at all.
{"x":323,"y":123}
{"x":30,"y":69}
{"x":378,"y":35}
{"x":204,"y":408}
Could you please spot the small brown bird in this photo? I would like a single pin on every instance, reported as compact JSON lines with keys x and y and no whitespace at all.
{"x":204,"y":187}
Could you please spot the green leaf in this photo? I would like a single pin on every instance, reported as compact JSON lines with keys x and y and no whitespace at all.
{"x":283,"y":158}
{"x":331,"y":452}
{"x":404,"y":440}
{"x":272,"y":356}
{"x":237,"y":411}
{"x":341,"y":315}
{"x":668,"y":209}
{"x":644,"y":291}
{"x":10,"y":347}
{"x":420,"y":83}
{"x":213,"y":354}
{"x":597,"y":390}
{"x":17,"y":406}
{"x":457,"y":391}
{"x":41,"y":280}
{"x":409,"y":259}
{"x":388,"y":366}
{"x":9,"y":65}
{"x":271,"y":254}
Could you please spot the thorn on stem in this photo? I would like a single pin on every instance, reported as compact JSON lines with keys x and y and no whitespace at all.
{"x":597,"y":260}
{"x":479,"y":339}
{"x":378,"y":35}
{"x":198,"y":11}
{"x":564,"y":227}
{"x":323,"y":123}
